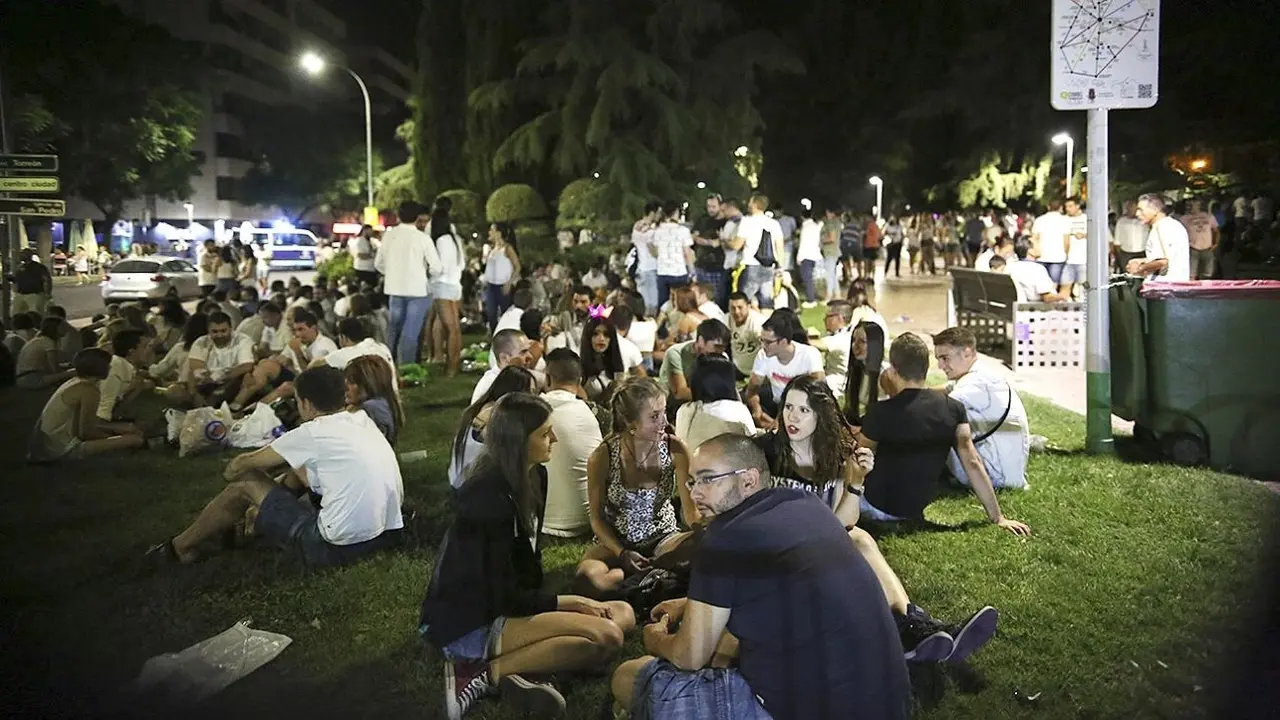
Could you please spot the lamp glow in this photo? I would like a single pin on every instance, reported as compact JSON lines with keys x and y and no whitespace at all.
{"x":1061,"y":139}
{"x":1200,"y":164}
{"x":702,"y":185}
{"x":312,"y":63}
{"x":741,"y":151}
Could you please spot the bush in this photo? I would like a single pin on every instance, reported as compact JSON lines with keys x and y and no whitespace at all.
{"x":583,"y":203}
{"x":468,"y":207}
{"x":536,"y":243}
{"x":515,"y":203}
{"x":341,"y":267}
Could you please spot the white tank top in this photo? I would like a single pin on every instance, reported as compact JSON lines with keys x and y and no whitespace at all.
{"x":498,"y":267}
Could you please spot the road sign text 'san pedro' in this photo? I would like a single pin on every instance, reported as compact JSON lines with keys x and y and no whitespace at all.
{"x":29,"y":163}
{"x":1105,"y":54}
{"x":33,"y":207}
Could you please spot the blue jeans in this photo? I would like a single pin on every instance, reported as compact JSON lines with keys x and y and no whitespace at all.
{"x":496,"y":302}
{"x":1055,"y":271}
{"x":647,"y":285}
{"x":667,"y":283}
{"x":408,"y":315}
{"x":806,"y":279}
{"x":832,"y":267}
{"x":757,"y":282}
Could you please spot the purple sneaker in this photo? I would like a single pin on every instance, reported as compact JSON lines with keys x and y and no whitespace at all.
{"x":923,"y":638}
{"x":975,"y":633}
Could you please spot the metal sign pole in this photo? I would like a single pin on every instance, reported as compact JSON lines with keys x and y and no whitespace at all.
{"x":9,"y":248}
{"x":1098,"y":437}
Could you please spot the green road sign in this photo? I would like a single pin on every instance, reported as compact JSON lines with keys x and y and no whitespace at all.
{"x":29,"y":183}
{"x":42,"y":163}
{"x":33,"y":206}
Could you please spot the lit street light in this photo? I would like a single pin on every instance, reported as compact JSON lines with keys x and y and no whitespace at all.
{"x":807,"y":203}
{"x":702,"y":185}
{"x":313,"y":65}
{"x":875,"y":180}
{"x":1070,"y":142}
{"x":741,"y":151}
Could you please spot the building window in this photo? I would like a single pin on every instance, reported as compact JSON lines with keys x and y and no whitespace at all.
{"x":231,"y":146}
{"x":227,"y":188}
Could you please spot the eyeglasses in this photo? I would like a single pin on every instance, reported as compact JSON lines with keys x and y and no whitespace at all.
{"x":694,"y":482}
{"x":774,"y":341}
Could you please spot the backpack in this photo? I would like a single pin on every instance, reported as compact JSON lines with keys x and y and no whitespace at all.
{"x":764,"y":253}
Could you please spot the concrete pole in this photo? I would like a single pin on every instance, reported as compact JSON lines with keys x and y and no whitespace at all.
{"x":1097,"y":309}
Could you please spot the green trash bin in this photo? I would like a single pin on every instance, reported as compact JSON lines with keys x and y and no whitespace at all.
{"x":1128,"y":350}
{"x":1212,"y":392}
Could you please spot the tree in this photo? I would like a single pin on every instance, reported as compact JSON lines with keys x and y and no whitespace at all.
{"x":116,"y":101}
{"x":303,"y":162}
{"x":439,"y":110}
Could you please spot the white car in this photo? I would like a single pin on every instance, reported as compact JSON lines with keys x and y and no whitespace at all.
{"x":152,"y":278}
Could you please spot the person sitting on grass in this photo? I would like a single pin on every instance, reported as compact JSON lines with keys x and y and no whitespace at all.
{"x":468,"y":442}
{"x":912,"y":432}
{"x":24,"y":329}
{"x":355,"y":340}
{"x":631,"y":481}
{"x":578,"y":436}
{"x":38,"y":365}
{"x":511,"y":347}
{"x":776,"y":584}
{"x":128,"y":377}
{"x":71,"y":342}
{"x":994,"y":410}
{"x":278,"y":372}
{"x":267,"y":329}
{"x":815,"y":451}
{"x":712,"y":338}
{"x":341,"y":456}
{"x":485,"y":607}
{"x":784,"y":354}
{"x":173,"y":366}
{"x":371,"y":387}
{"x":601,"y":357}
{"x":69,"y":426}
{"x":716,"y":408}
{"x":216,"y":363}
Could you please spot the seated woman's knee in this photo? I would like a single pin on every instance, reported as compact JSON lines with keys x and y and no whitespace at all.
{"x":862,"y":539}
{"x":604,"y":634}
{"x":622,"y":615}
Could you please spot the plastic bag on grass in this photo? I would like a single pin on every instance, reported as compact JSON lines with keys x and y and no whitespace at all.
{"x":255,"y":430}
{"x":204,"y":429}
{"x":208,"y":666}
{"x":173,"y":424}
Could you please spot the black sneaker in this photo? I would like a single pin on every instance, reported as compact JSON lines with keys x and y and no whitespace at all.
{"x":924,"y":639}
{"x":464,"y":684}
{"x":532,"y":699}
{"x":973,"y":634}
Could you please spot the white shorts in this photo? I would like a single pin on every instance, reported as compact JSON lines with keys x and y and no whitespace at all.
{"x":446,"y":291}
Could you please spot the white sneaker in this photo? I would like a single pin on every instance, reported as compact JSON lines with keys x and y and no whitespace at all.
{"x":532,"y":699}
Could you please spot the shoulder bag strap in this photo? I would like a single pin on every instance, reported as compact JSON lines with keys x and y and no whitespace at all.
{"x":1007,"y":409}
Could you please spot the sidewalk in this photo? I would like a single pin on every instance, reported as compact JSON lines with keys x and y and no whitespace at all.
{"x":918,"y":304}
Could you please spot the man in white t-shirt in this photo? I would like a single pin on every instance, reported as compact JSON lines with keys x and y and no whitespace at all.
{"x":407,"y":260}
{"x":279,"y":371}
{"x":130,"y":351}
{"x":363,"y":257}
{"x":756,"y":278}
{"x":1074,"y":272}
{"x":215,"y":364}
{"x":837,"y":344}
{"x":997,"y":417}
{"x":1032,"y":280}
{"x":1168,"y":255}
{"x":577,"y":436}
{"x":521,"y":300}
{"x":671,"y":244}
{"x":745,"y":324}
{"x":339,"y":455}
{"x":511,"y":347}
{"x":782,"y":358}
{"x":270,"y":335}
{"x":1049,"y":242}
{"x":1130,"y":236}
{"x":206,"y":263}
{"x":1202,"y":234}
{"x":354,"y":340}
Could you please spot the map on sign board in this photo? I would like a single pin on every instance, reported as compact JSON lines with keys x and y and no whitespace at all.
{"x":1105,"y":54}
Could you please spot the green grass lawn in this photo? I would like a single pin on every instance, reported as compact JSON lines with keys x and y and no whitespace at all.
{"x":1125,"y":603}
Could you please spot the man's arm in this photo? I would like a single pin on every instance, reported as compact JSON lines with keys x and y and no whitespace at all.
{"x":263,"y":459}
{"x":680,"y":386}
{"x":753,"y":398}
{"x":380,"y":261}
{"x":981,"y":482}
{"x":693,"y":645}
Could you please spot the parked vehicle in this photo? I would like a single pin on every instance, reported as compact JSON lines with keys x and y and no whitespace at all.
{"x":152,"y":278}
{"x":284,"y":248}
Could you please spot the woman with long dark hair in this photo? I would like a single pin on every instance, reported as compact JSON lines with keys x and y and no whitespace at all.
{"x":227,"y":269}
{"x":173,"y":367}
{"x":468,"y":442}
{"x":601,"y":357}
{"x":371,"y":387}
{"x":501,"y":271}
{"x":716,"y":408}
{"x":444,"y":330}
{"x":485,"y":608}
{"x":632,"y":478}
{"x":815,"y":450}
{"x":169,"y":324}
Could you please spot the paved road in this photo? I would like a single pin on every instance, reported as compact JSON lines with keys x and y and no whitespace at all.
{"x":83,"y":301}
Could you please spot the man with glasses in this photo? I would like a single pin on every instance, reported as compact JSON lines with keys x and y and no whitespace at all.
{"x":766,"y":552}
{"x":783,"y":356}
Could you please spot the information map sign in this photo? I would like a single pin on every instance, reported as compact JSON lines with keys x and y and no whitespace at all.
{"x":1105,"y":54}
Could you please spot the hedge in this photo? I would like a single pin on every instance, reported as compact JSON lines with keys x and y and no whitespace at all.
{"x":515,"y":203}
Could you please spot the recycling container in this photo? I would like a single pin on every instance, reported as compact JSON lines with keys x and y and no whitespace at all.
{"x":1198,"y":371}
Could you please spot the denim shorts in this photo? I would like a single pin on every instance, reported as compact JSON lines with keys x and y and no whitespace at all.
{"x":664,"y":691}
{"x":293,"y":524}
{"x":1073,"y":274}
{"x":871,"y":512}
{"x":484,"y":643}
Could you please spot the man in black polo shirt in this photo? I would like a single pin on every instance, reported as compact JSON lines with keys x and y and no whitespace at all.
{"x":777,"y":583}
{"x":912,"y":433}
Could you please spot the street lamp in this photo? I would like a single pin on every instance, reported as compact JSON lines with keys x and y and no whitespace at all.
{"x":702,"y":185}
{"x":741,"y":151}
{"x":313,"y":65}
{"x":807,"y":203}
{"x":1065,"y":139}
{"x":875,"y":180}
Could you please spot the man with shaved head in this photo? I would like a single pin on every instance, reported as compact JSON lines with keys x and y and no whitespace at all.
{"x":775,"y":581}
